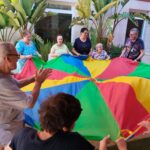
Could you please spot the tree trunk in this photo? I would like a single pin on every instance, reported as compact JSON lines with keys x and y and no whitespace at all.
{"x":100,"y":31}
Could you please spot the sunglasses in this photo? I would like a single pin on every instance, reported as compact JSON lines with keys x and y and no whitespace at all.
{"x":14,"y":55}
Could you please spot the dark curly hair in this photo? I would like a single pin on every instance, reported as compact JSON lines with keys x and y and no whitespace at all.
{"x":58,"y":111}
{"x":83,"y":29}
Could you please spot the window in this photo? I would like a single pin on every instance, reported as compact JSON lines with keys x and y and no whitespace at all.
{"x":49,"y":27}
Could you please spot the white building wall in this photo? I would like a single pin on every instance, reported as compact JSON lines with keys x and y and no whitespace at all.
{"x":75,"y":31}
{"x":120,"y":32}
{"x":146,"y":36}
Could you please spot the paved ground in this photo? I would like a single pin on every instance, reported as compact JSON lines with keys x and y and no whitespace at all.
{"x":146,"y":58}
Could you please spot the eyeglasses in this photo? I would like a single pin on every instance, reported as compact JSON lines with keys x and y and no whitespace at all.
{"x":14,"y":55}
{"x":131,"y":34}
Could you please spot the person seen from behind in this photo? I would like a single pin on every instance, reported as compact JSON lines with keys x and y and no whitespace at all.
{"x":58,"y":115}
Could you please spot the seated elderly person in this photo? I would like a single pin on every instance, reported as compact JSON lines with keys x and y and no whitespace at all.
{"x":136,"y":48}
{"x":99,"y":54}
{"x":58,"y":49}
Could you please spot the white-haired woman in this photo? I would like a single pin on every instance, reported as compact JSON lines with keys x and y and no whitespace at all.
{"x":99,"y":53}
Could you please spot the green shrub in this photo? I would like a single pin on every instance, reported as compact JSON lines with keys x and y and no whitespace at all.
{"x":69,"y":45}
{"x":115,"y":51}
{"x":93,"y":37}
{"x":104,"y":42}
{"x":44,"y":49}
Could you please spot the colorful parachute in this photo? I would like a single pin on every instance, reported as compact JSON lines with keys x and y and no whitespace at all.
{"x":114,"y":94}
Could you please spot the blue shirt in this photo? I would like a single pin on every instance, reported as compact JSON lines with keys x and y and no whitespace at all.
{"x":82,"y":47}
{"x":24,"y":49}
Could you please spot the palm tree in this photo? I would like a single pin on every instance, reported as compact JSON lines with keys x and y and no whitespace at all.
{"x":20,"y":15}
{"x":102,"y":17}
{"x":92,"y":13}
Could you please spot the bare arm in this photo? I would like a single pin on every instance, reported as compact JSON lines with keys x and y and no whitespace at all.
{"x":102,"y":146}
{"x":39,"y":54}
{"x":25,"y":82}
{"x":103,"y":143}
{"x":25,"y":56}
{"x":75,"y":52}
{"x":52,"y":53}
{"x":35,"y":94}
{"x":121,"y":144}
{"x":40,"y":77}
{"x":108,"y":57}
{"x":146,"y":125}
{"x":68,"y":51}
{"x":140,"y":56}
{"x":90,"y":53}
{"x":122,"y":53}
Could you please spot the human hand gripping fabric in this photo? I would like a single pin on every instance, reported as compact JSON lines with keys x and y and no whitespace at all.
{"x":40,"y":55}
{"x":121,"y":144}
{"x":145,"y":124}
{"x":28,"y":56}
{"x":78,"y":54}
{"x":42,"y":74}
{"x":104,"y":142}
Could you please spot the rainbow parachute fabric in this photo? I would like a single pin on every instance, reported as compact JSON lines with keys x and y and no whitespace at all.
{"x":114,"y":94}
